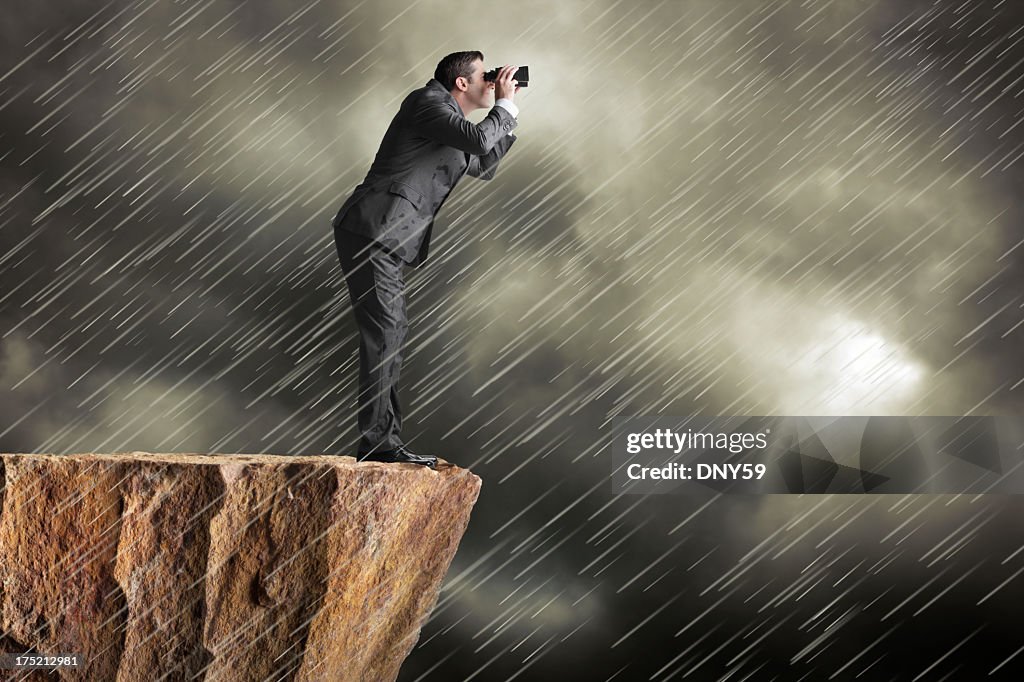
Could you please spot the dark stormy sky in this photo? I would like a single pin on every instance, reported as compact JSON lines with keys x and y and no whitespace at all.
{"x":795,"y":207}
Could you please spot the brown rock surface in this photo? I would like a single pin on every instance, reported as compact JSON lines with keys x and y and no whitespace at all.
{"x":224,"y":567}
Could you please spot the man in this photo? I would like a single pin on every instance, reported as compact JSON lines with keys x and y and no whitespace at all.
{"x":387,"y":222}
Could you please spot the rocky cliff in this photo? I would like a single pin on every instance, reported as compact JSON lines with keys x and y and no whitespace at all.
{"x":224,"y":567}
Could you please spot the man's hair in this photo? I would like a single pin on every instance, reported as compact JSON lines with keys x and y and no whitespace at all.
{"x":454,"y":65}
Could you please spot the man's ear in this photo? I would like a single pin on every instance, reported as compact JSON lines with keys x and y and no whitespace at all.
{"x":461,"y":83}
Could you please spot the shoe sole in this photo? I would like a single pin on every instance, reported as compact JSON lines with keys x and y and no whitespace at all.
{"x":432,"y":464}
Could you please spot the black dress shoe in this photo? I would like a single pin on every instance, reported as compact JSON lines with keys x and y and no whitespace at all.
{"x":399,"y":455}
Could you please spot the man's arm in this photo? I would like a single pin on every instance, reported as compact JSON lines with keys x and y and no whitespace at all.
{"x":437,"y":121}
{"x":485,"y":166}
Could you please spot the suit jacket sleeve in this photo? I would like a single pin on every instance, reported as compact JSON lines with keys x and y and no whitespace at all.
{"x":436,"y":120}
{"x":485,"y":166}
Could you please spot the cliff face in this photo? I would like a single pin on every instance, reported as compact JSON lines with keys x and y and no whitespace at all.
{"x":236,"y":567}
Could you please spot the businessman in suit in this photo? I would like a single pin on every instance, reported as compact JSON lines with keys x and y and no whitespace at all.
{"x":386,"y":223}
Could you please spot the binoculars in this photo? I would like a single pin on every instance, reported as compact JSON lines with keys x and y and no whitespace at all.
{"x":522,"y":75}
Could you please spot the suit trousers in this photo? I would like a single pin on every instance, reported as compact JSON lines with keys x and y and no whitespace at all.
{"x":376,"y":287}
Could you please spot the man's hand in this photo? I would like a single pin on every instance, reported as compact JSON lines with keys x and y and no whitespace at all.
{"x":504,"y":86}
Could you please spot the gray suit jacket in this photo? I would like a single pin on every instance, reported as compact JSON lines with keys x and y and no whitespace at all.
{"x":426,"y":150}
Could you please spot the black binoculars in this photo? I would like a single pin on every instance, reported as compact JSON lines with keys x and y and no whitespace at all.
{"x":522,"y":75}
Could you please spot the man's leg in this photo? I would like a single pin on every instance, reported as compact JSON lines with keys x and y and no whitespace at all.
{"x":376,"y":287}
{"x":396,"y":407}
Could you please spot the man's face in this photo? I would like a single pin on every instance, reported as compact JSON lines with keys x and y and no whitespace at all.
{"x":480,"y":93}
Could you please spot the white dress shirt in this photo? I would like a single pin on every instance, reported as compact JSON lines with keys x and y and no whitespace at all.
{"x":508,"y":105}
